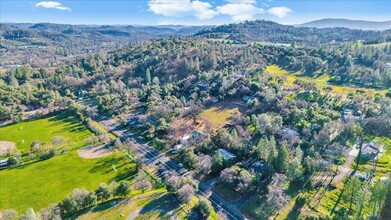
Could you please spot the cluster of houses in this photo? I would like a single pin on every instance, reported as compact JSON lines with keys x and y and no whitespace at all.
{"x":350,"y":115}
{"x":186,"y":141}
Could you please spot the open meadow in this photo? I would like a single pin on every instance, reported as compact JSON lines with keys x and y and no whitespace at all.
{"x":320,"y":81}
{"x":40,"y":184}
{"x":220,"y":114}
{"x":65,"y":125}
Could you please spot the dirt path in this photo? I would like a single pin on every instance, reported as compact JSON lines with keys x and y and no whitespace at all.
{"x":6,"y":146}
{"x":94,"y":152}
{"x":345,"y":171}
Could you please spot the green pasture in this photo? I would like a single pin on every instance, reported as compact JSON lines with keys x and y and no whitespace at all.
{"x":24,"y":133}
{"x":40,"y":184}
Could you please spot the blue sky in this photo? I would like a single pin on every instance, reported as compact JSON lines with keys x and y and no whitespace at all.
{"x":189,"y":12}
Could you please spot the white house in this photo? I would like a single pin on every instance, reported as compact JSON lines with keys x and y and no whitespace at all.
{"x":178,"y":147}
{"x":291,"y":132}
{"x":196,"y":134}
{"x":225,"y":154}
{"x":247,"y":98}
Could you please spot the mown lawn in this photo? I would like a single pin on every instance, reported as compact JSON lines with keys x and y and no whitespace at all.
{"x":39,"y":184}
{"x":24,"y":133}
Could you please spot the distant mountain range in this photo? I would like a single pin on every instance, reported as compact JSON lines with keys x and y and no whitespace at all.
{"x":54,"y":44}
{"x":346,"y":23}
{"x":268,"y":31}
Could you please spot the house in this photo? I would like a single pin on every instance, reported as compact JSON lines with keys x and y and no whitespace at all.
{"x":247,"y":98}
{"x":225,"y":154}
{"x":178,"y":147}
{"x":196,"y":134}
{"x":384,"y":180}
{"x":203,"y":84}
{"x":350,"y":115}
{"x":3,"y":164}
{"x":81,"y":94}
{"x":315,"y":127}
{"x":214,"y":99}
{"x":371,"y":150}
{"x":361,"y":177}
{"x":135,"y":122}
{"x":229,"y":125}
{"x":185,"y":140}
{"x":388,"y":65}
{"x":290,"y":132}
{"x":259,"y":166}
{"x":347,"y":111}
{"x":12,"y":66}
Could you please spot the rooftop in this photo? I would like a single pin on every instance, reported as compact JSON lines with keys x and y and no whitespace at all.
{"x":227,"y":155}
{"x":290,"y":132}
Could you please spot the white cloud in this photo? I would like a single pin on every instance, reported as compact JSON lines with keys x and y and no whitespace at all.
{"x":240,"y":12}
{"x":242,"y":1}
{"x":280,"y":12}
{"x":50,"y":4}
{"x":181,"y":8}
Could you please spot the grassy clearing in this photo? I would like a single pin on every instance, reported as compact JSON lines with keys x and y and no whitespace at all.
{"x":321,"y":81}
{"x":225,"y":192}
{"x":140,"y":204}
{"x":24,"y":133}
{"x":101,"y":130}
{"x":152,"y":205}
{"x":39,"y":184}
{"x":219,"y":114}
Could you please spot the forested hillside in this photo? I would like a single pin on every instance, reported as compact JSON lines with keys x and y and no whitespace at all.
{"x":47,"y":44}
{"x":268,"y":31}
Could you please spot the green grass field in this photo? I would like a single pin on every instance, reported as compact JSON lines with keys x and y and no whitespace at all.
{"x":151,"y":205}
{"x":24,"y":133}
{"x":42,"y":183}
{"x":219,"y":114}
{"x":321,"y":81}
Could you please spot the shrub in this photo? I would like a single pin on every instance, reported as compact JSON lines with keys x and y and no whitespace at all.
{"x":48,"y":154}
{"x":123,"y":189}
{"x":12,"y":161}
{"x":204,"y":207}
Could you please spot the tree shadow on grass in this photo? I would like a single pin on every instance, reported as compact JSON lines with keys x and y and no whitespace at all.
{"x":125,"y":171}
{"x":163,"y":205}
{"x":98,"y":208}
{"x":68,"y":121}
{"x":295,"y":212}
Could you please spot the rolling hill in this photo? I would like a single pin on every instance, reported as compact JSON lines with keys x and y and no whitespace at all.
{"x":346,"y":23}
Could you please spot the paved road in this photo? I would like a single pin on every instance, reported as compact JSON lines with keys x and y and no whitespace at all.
{"x":152,"y":156}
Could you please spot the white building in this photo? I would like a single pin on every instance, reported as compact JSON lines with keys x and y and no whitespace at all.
{"x":225,"y":154}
